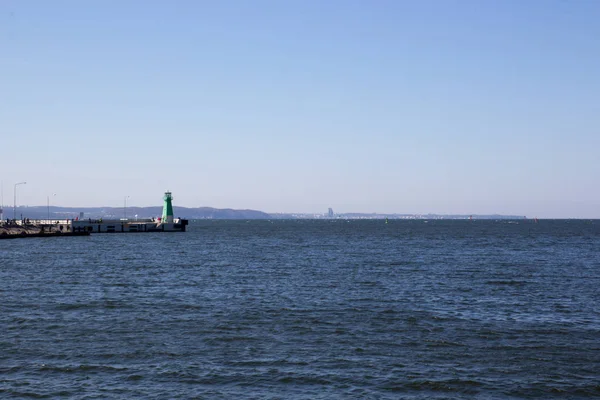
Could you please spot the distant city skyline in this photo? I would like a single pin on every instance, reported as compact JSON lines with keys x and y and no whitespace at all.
{"x":457,"y":107}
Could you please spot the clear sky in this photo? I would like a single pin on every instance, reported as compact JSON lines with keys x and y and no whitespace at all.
{"x":441,"y":106}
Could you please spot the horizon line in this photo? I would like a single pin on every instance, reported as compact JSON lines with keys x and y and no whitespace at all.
{"x":381,"y":214}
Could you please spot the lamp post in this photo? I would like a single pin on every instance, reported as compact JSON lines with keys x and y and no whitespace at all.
{"x":48,"y":199}
{"x":15,"y":200}
{"x":125,"y":207}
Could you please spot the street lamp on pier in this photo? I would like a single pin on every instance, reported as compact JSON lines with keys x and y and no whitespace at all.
{"x":48,"y":203}
{"x":125,"y":207}
{"x":15,"y":199}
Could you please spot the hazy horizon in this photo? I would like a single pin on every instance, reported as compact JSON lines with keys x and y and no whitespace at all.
{"x":8,"y":209}
{"x":458,"y":107}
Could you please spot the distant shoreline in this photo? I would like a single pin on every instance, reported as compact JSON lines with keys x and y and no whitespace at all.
{"x":55,"y":212}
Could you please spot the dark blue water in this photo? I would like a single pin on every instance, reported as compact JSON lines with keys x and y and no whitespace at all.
{"x":305,"y":309}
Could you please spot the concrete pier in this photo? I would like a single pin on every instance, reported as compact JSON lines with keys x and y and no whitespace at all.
{"x":10,"y":229}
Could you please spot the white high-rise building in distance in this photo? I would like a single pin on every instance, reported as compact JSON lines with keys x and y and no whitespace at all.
{"x":330,"y":213}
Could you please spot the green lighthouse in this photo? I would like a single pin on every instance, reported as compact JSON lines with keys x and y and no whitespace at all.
{"x":167,"y":215}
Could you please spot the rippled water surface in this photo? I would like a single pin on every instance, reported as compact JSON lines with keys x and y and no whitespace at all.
{"x":305,"y":309}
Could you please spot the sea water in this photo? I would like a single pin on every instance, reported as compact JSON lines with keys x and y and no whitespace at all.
{"x":306,"y":309}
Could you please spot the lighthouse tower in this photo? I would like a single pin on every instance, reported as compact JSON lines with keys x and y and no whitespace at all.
{"x":167,"y":216}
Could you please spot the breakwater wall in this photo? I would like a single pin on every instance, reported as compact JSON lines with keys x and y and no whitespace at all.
{"x":20,"y":229}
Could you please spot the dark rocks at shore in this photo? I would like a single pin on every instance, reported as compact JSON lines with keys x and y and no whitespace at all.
{"x":19,"y":230}
{"x":11,"y":231}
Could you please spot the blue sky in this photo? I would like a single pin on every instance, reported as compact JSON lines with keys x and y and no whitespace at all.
{"x":443,"y":106}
